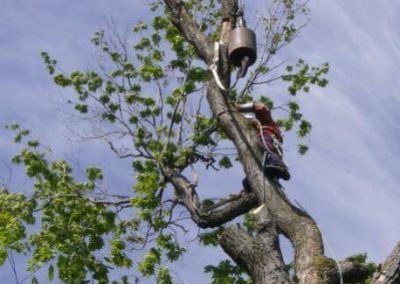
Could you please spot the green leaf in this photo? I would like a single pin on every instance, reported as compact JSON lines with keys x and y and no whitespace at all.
{"x":94,"y":173}
{"x":304,"y":128}
{"x":20,"y":135}
{"x":225,"y":162}
{"x":3,"y":255}
{"x":82,"y":108}
{"x":302,"y":149}
{"x":211,"y":238}
{"x":250,"y":222}
{"x":227,"y":273}
{"x":50,"y":272}
{"x":150,"y":260}
{"x":62,"y":81}
{"x":163,"y":276}
{"x":33,"y":143}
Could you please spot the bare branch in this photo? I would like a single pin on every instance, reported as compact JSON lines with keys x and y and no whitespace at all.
{"x":77,"y":195}
{"x":11,"y":260}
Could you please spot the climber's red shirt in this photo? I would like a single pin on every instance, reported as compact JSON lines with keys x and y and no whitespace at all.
{"x":269,"y":126}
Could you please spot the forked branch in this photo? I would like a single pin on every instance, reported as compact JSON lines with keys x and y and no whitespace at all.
{"x":209,"y":217}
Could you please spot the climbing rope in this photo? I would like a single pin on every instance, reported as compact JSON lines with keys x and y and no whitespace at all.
{"x":214,"y":69}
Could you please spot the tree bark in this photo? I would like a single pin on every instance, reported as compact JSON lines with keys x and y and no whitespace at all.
{"x":259,"y":255}
{"x":389,"y":272}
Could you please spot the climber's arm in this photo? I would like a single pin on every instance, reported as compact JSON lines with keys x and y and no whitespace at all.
{"x":245,"y":108}
{"x":261,"y":111}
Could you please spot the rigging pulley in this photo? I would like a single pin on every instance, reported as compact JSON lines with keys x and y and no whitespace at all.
{"x":242,"y":49}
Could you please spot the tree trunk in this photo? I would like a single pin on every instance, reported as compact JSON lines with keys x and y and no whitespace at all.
{"x":259,"y":255}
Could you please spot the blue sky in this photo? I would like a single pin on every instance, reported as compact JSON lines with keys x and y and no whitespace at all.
{"x":349,"y":180}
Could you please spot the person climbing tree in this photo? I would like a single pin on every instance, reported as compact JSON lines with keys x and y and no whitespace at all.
{"x":271,"y":136}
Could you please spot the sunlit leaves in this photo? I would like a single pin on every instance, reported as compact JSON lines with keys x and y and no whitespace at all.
{"x":202,"y":127}
{"x":118,"y":257}
{"x":172,"y":248}
{"x":15,"y":214}
{"x":72,"y":226}
{"x":147,"y":182}
{"x":304,"y":76}
{"x":151,"y":71}
{"x":150,"y":260}
{"x":163,"y":276}
{"x":250,"y":222}
{"x":150,"y":264}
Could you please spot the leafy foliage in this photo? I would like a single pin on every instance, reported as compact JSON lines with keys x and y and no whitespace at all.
{"x":210,"y":238}
{"x":15,"y":214}
{"x":226,"y":272}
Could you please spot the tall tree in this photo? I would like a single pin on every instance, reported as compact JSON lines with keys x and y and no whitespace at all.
{"x":147,"y":104}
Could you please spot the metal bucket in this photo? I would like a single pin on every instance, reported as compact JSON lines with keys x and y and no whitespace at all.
{"x":242,"y":43}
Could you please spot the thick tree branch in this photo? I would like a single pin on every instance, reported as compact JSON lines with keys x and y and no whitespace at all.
{"x":259,"y":255}
{"x":185,"y":23}
{"x":234,"y":208}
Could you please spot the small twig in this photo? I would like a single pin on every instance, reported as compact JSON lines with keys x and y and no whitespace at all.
{"x":11,"y":260}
